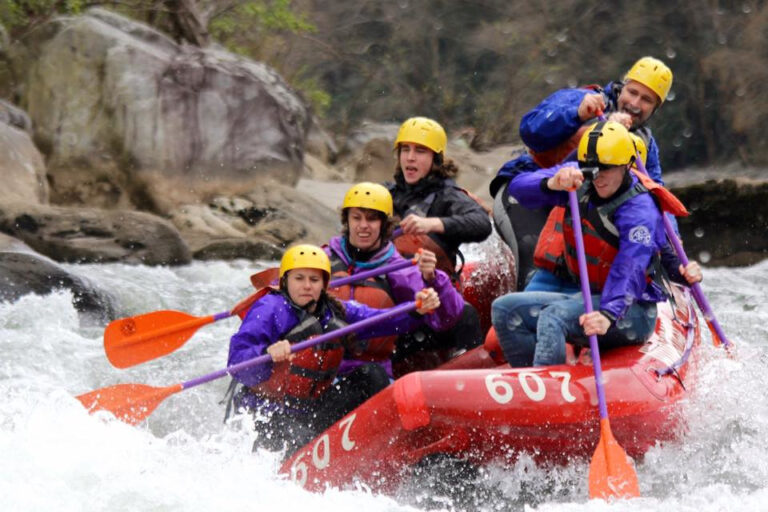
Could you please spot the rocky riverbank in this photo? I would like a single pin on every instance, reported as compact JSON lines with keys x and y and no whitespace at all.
{"x":131,"y":148}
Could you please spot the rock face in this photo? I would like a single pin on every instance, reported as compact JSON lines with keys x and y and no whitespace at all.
{"x":105,"y":92}
{"x":88,"y":235}
{"x":728,"y":221}
{"x":22,"y":271}
{"x":258,"y":224}
{"x":21,"y":167}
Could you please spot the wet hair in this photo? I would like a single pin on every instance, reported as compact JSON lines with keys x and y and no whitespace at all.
{"x":443,"y":167}
{"x":388,"y":224}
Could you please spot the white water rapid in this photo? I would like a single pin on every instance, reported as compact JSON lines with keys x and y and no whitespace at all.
{"x":55,"y":456}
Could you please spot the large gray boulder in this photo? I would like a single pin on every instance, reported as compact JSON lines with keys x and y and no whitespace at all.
{"x":104,"y":92}
{"x":22,"y":271}
{"x":89,"y":235}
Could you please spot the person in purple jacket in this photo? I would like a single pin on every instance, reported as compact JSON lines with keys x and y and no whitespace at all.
{"x":364,"y":244}
{"x":553,"y":128}
{"x":296,"y":396}
{"x":625,"y":247}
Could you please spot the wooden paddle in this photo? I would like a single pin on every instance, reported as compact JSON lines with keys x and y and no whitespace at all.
{"x":611,"y":472}
{"x":138,"y":339}
{"x":132,"y":403}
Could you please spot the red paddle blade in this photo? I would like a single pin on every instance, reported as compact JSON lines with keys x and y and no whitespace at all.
{"x":137,"y":339}
{"x":611,"y":472}
{"x":131,"y":403}
{"x":265,"y":278}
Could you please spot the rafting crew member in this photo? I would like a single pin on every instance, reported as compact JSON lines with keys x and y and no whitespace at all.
{"x":625,"y":247}
{"x":364,"y":244}
{"x":553,"y":128}
{"x":426,"y":197}
{"x":296,"y":396}
{"x":436,"y":214}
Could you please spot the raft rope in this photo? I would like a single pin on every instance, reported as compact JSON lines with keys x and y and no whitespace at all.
{"x":674,"y":367}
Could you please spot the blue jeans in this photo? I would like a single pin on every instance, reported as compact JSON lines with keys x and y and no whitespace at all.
{"x":545,"y":281}
{"x":533,"y":327}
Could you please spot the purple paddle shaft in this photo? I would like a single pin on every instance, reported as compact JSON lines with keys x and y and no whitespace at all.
{"x":698,"y":293}
{"x":371,"y":273}
{"x":389,"y":313}
{"x":587,"y":295}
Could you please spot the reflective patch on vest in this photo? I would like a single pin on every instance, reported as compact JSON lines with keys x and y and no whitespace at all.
{"x":640,"y":235}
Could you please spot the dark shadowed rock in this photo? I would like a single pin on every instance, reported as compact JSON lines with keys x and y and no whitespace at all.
{"x":235,"y":248}
{"x":12,"y":115}
{"x":88,"y":235}
{"x":728,"y":221}
{"x":22,"y":271}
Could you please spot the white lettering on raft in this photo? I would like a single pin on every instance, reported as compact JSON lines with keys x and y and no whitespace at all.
{"x":321,"y":452}
{"x":531,"y":383}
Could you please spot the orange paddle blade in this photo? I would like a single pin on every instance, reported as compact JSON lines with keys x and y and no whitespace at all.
{"x":265,"y":278}
{"x":716,"y":341}
{"x":134,"y":340}
{"x":611,"y":472}
{"x":131,"y":403}
{"x":242,"y":307}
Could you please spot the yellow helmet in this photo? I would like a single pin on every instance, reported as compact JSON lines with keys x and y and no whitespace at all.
{"x":606,"y":144}
{"x":305,"y":256}
{"x":640,"y":146}
{"x":369,"y":195}
{"x":424,"y":131}
{"x":653,"y":74}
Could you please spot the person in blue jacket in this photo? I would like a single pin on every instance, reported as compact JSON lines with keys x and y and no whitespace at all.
{"x":625,"y":246}
{"x":364,"y":244}
{"x":555,"y":125}
{"x":296,"y":396}
{"x":552,"y":129}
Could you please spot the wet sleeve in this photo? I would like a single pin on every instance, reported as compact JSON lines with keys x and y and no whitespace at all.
{"x":466,"y":221}
{"x":256,"y":333}
{"x":553,"y":121}
{"x":638,"y":223}
{"x":527,"y":189}
{"x":393,"y":326}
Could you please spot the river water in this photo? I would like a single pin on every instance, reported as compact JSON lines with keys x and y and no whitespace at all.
{"x":183,"y":458}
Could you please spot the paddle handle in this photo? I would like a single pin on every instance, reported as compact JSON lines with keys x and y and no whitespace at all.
{"x":336,"y":283}
{"x":587,"y":295}
{"x":362,"y":324}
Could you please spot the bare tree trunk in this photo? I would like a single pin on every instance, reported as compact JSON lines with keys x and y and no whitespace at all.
{"x":190,"y":21}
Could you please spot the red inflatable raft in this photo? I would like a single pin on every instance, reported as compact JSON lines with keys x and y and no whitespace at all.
{"x":478,"y":410}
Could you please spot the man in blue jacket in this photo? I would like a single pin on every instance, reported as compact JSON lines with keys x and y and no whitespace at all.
{"x":553,"y":127}
{"x":624,"y":236}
